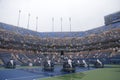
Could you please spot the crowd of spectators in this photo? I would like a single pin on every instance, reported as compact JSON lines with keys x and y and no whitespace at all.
{"x":107,"y":39}
{"x":30,"y":49}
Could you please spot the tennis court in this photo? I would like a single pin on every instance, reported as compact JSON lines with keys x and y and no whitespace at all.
{"x":33,"y":73}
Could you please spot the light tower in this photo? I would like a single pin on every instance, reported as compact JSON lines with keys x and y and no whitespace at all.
{"x":61,"y":23}
{"x":53,"y":24}
{"x":28,"y":21}
{"x":18,"y":17}
{"x":36,"y":23}
{"x":70,"y":23}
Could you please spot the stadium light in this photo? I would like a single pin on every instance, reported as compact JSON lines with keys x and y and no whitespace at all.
{"x":18,"y":17}
{"x":61,"y":23}
{"x":53,"y":24}
{"x":28,"y":21}
{"x":70,"y":23}
{"x":36,"y":23}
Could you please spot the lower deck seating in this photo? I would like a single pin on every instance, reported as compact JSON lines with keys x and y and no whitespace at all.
{"x":1,"y":62}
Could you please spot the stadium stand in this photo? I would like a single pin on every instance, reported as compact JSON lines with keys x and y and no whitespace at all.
{"x":5,"y":57}
{"x":28,"y":47}
{"x":112,"y":18}
{"x":1,"y":62}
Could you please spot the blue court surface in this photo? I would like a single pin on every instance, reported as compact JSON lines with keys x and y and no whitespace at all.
{"x":33,"y":73}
